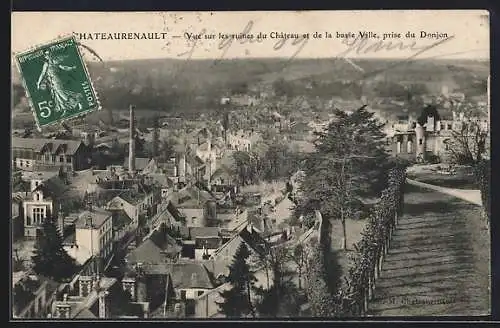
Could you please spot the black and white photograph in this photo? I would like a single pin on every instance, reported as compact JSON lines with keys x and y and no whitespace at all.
{"x":250,"y":165}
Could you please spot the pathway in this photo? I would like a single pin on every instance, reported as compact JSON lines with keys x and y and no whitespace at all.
{"x":469,"y":195}
{"x":439,"y":260}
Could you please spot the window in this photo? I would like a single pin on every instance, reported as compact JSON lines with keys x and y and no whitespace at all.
{"x":54,"y":158}
{"x":183,"y":294}
{"x":28,"y":221}
{"x":38,"y":214}
{"x":200,"y":292}
{"x":21,"y":163}
{"x":420,"y":141}
{"x":449,"y":126}
{"x":61,"y":159}
{"x":37,"y":196}
{"x":68,"y":159}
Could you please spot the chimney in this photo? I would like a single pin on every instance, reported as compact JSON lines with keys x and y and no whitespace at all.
{"x":194,"y":280}
{"x":131,"y":147}
{"x":60,"y":221}
{"x":102,"y":305}
{"x":63,"y":310}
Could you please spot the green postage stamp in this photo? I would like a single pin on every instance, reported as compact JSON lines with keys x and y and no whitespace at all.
{"x":57,"y":82}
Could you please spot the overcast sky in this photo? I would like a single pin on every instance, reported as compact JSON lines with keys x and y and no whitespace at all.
{"x":469,"y":28}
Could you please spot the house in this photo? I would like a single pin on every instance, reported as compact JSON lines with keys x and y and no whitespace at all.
{"x":206,"y":304}
{"x":47,"y":197}
{"x":242,"y":140}
{"x":95,"y":297}
{"x":141,"y":164}
{"x":160,"y":247}
{"x":164,"y":183}
{"x":222,"y":178}
{"x":123,"y":226}
{"x":206,"y":246}
{"x":223,"y":257}
{"x":32,"y":296}
{"x":93,"y":236}
{"x":170,"y":283}
{"x":208,"y":154}
{"x":195,"y":204}
{"x":35,"y":211}
{"x":139,"y":202}
{"x":33,"y":154}
{"x":198,"y":242}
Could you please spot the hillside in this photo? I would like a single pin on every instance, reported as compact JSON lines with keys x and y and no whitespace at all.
{"x":166,"y":84}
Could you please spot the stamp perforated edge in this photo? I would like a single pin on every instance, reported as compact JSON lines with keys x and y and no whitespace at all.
{"x":30,"y":101}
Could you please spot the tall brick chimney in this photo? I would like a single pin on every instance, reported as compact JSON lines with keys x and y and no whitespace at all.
{"x":131,"y":147}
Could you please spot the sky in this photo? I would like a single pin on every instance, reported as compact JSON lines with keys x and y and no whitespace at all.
{"x":468,"y":29}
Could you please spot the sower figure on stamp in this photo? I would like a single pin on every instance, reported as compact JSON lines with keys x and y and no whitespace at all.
{"x":51,"y":78}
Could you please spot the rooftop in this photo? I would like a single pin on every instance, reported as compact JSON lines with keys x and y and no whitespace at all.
{"x":80,"y":305}
{"x":140,"y":163}
{"x":98,"y":218}
{"x":184,"y":275}
{"x":38,"y":144}
{"x":54,"y":187}
{"x":199,"y":232}
{"x":191,"y":196}
{"x":39,"y":175}
{"x":208,"y":242}
{"x":120,"y":219}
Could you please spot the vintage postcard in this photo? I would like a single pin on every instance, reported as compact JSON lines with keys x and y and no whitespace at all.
{"x":249,"y":165}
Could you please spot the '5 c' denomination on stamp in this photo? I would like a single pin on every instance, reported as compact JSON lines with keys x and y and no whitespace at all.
{"x":57,"y":82}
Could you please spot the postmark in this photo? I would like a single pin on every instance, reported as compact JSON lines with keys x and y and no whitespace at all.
{"x":57,"y":82}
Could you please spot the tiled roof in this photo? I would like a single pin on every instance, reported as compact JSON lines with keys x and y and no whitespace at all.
{"x":161,"y":179}
{"x":85,"y":314}
{"x":140,"y":163}
{"x":37,"y":144}
{"x":172,"y":209}
{"x":196,"y":232}
{"x":156,"y":249}
{"x":120,"y":219}
{"x":184,"y":275}
{"x":98,"y":215}
{"x":255,"y":241}
{"x":146,"y":252}
{"x":191,"y":196}
{"x":223,"y":171}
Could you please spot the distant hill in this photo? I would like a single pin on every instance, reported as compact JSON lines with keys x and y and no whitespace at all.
{"x":171,"y":83}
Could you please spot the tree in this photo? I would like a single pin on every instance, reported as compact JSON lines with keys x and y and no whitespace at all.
{"x":482,"y":171}
{"x":468,"y":145}
{"x":50,"y":258}
{"x":320,"y":299}
{"x":282,"y":298}
{"x":238,"y":300}
{"x":299,"y":257}
{"x":350,"y":163}
{"x":21,"y":296}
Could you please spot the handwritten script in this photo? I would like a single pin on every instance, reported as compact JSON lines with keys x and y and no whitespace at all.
{"x":353,"y":46}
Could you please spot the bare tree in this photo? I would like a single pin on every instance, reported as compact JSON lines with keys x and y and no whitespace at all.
{"x":468,"y":145}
